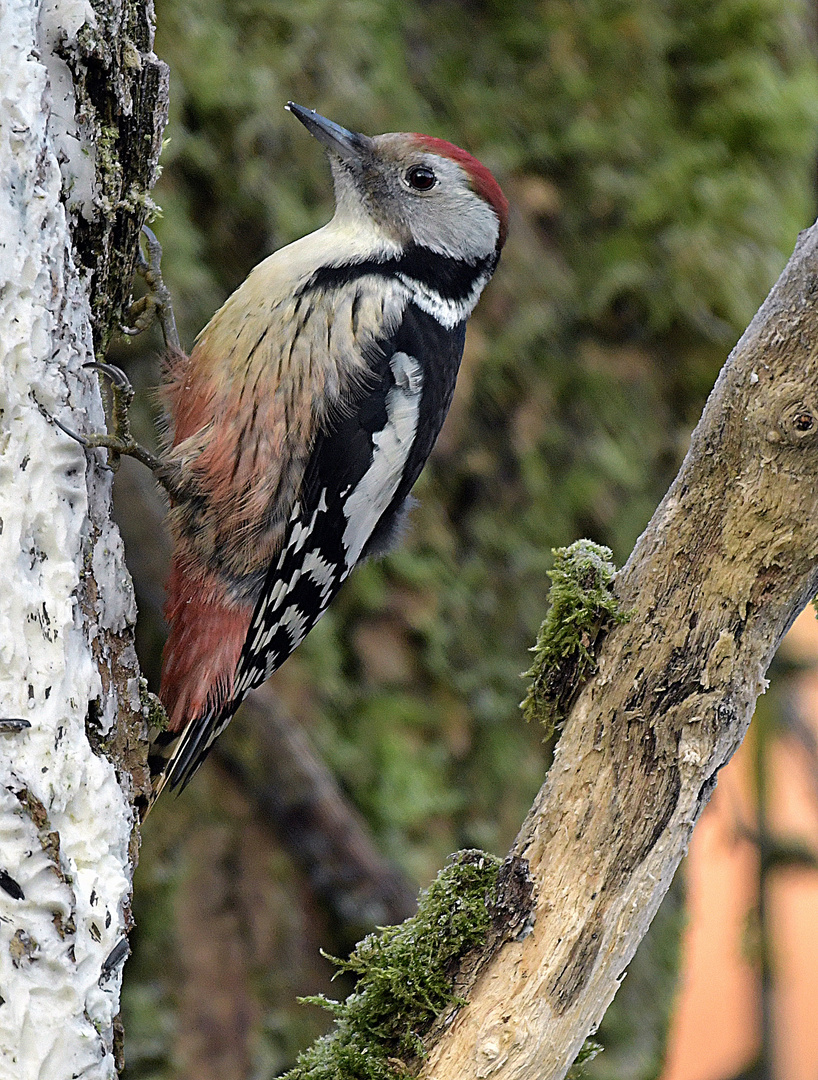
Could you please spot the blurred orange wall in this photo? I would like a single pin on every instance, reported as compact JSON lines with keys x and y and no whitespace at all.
{"x":715,"y":1032}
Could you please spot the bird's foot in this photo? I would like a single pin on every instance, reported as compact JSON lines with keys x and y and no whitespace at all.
{"x":120,"y":441}
{"x":156,"y":303}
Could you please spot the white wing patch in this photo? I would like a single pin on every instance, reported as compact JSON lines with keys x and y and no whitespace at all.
{"x":377,"y":487}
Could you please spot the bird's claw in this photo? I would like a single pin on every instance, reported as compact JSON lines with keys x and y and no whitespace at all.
{"x":120,"y":441}
{"x":117,"y":376}
{"x":156,"y":303}
{"x":85,"y":441}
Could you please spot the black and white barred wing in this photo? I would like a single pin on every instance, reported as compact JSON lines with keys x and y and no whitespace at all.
{"x":355,"y":488}
{"x":354,"y":477}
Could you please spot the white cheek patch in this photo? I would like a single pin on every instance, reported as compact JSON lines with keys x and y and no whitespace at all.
{"x":392,"y":444}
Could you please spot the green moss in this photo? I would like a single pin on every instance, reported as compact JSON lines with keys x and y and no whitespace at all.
{"x":589,"y":1050}
{"x":152,"y":708}
{"x":404,"y":979}
{"x":582,"y":607}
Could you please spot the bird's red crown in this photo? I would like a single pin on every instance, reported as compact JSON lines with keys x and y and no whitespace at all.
{"x":481,"y":178}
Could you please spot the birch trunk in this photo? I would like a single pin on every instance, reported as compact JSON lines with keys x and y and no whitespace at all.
{"x":82,"y":106}
{"x":727,"y":562}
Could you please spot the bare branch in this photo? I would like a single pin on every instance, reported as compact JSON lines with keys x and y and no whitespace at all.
{"x":728,"y":560}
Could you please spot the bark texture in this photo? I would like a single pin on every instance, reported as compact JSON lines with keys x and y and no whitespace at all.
{"x":71,"y":201}
{"x":728,"y":560}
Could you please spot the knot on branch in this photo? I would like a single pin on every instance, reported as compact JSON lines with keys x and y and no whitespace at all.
{"x":798,"y":423}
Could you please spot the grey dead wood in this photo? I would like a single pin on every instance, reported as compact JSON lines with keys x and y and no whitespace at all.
{"x":726,"y":563}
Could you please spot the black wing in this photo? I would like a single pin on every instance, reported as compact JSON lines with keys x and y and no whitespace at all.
{"x":357,"y":482}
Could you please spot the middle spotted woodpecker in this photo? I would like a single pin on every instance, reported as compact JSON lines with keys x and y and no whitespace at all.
{"x":306,"y":411}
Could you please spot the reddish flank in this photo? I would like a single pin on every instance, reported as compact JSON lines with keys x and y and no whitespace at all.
{"x":483,"y":183}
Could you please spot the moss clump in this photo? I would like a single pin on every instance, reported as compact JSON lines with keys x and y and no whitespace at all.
{"x":152,"y":709}
{"x":582,"y":607}
{"x":404,"y":978}
{"x":589,"y":1050}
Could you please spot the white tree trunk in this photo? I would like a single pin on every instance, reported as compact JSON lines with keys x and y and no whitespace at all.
{"x":67,"y":827}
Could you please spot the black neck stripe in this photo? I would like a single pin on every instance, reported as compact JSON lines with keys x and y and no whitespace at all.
{"x":452,"y":279}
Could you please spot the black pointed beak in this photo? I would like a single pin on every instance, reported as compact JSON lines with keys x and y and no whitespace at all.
{"x":347,"y":145}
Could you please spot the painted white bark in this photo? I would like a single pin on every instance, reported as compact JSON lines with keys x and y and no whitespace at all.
{"x":65,"y":816}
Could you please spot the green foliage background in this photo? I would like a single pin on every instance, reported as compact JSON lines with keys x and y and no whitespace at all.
{"x":659,"y":156}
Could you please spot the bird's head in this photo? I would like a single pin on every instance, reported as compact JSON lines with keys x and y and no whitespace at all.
{"x":413,"y":189}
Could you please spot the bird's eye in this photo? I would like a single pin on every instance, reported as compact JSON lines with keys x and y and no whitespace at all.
{"x":421,"y":178}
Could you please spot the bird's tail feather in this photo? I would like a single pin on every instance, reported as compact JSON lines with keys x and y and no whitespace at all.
{"x":201,"y":655}
{"x":175,"y":756}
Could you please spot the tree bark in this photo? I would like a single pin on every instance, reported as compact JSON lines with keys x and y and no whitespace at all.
{"x":728,"y":560}
{"x":84,"y":102}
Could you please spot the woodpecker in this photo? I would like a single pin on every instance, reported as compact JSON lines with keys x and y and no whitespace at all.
{"x":305,"y":413}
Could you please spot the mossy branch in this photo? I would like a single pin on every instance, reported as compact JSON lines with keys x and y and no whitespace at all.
{"x":405,"y":978}
{"x":583,"y":607}
{"x":726,"y":563}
